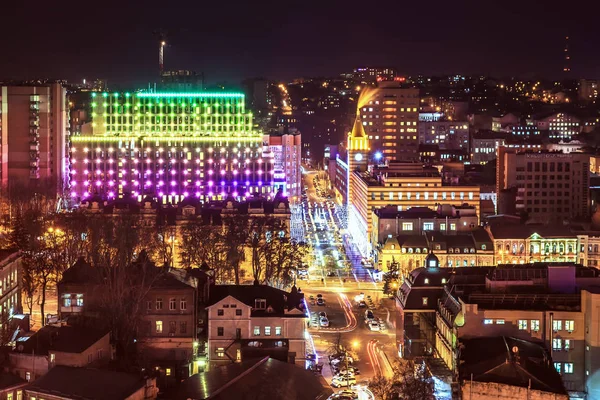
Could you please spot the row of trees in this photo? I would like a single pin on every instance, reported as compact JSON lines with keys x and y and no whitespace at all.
{"x":409,"y":381}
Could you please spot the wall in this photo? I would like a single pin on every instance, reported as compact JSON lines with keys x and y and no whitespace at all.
{"x":86,"y":357}
{"x":496,"y":391}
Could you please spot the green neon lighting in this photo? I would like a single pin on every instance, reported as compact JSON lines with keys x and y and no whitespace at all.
{"x":197,"y":94}
{"x":193,"y":139}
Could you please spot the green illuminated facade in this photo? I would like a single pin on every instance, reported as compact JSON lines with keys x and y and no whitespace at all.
{"x":170,"y":146}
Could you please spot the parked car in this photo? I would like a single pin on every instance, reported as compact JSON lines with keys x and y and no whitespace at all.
{"x":319,"y":296}
{"x":369,"y":316}
{"x":382,"y":325}
{"x":320,"y":301}
{"x":343,"y":381}
{"x":373,"y":326}
{"x":323,"y":322}
{"x":350,"y":370}
{"x":362,"y":304}
{"x":322,"y":314}
{"x":344,"y":395}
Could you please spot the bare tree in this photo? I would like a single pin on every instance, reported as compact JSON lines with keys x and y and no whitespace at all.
{"x":235,"y":234}
{"x":282,"y":255}
{"x":204,"y":244}
{"x":410,"y":381}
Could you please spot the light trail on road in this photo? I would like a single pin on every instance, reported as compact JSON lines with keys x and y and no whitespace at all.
{"x":373,"y":357}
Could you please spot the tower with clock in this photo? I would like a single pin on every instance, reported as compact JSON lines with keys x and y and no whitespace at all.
{"x":358,"y":155}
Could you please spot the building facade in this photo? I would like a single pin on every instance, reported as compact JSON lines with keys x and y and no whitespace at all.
{"x":448,"y":135}
{"x":170,"y":146}
{"x":286,"y":152}
{"x":550,"y":187}
{"x":34,"y":128}
{"x":389,"y":118}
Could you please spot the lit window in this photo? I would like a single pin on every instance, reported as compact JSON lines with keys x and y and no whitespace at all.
{"x":452,"y":227}
{"x":428,"y":226}
{"x":568,"y":368}
{"x":556,"y":325}
{"x":220,"y":352}
{"x":427,"y":281}
{"x":407,"y":226}
{"x":535,"y":325}
{"x":52,"y":357}
{"x":79,"y":300}
{"x":277,"y":331}
{"x":257,"y":331}
{"x":443,"y":281}
{"x":568,"y":344}
{"x":159,"y":326}
{"x":556,"y":344}
{"x":425,"y":300}
{"x":522,"y":324}
{"x":500,"y":322}
{"x":488,"y":321}
{"x":570,"y":325}
{"x":267,"y":331}
{"x":27,"y":376}
{"x":168,"y":371}
{"x":557,"y":366}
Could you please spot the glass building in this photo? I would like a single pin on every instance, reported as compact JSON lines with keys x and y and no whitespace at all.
{"x":170,"y":146}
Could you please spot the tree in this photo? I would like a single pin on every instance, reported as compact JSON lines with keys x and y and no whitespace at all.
{"x":410,"y":381}
{"x":204,"y":244}
{"x":391,"y":278}
{"x":235,"y":234}
{"x":282,"y":256}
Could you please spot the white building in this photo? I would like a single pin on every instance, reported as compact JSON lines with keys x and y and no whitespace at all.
{"x":286,"y":150}
{"x":249,"y":321}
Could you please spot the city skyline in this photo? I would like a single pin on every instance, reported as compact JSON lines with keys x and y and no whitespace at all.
{"x":279,"y":43}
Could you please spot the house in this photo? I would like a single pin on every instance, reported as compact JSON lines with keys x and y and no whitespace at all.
{"x":75,"y":346}
{"x":265,"y":378}
{"x":249,"y":321}
{"x":72,"y":383}
{"x":11,"y":386}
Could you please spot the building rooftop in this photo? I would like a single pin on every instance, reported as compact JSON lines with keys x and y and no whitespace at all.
{"x":278,"y":300}
{"x":68,"y":339}
{"x":257,"y":380}
{"x":509,"y":361}
{"x":87,"y":383}
{"x":507,"y":231}
{"x":8,"y":380}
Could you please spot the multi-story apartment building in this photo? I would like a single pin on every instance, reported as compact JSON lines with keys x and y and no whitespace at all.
{"x":286,"y":149}
{"x":484,"y":146}
{"x":549,"y":303}
{"x":10,"y":291}
{"x":402,"y":185}
{"x":374,"y":74}
{"x":34,"y":128}
{"x":168,"y":316}
{"x":389,"y":118}
{"x":467,"y":249}
{"x":588,"y":90}
{"x":448,"y":135}
{"x":249,"y":321}
{"x":170,"y":146}
{"x":550,"y":187}
{"x":558,"y":125}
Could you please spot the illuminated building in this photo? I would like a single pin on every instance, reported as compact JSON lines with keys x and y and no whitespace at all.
{"x":170,"y":146}
{"x":389,"y":117}
{"x":286,"y":149}
{"x":548,"y":187}
{"x":34,"y":129}
{"x":588,"y":90}
{"x":559,"y":125}
{"x":372,"y":74}
{"x":445,"y":134}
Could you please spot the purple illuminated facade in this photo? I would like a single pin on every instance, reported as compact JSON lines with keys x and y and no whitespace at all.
{"x":170,"y":146}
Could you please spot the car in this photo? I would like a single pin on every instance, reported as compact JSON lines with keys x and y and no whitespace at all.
{"x":362,"y":304}
{"x":369,"y":316}
{"x":346,"y":381}
{"x":322,"y":314}
{"x":311,"y":297}
{"x":373,"y":326}
{"x":382,"y":325}
{"x":319,"y":296}
{"x":323,"y":322}
{"x":335,"y":362}
{"x":320,"y":301}
{"x":350,"y":370}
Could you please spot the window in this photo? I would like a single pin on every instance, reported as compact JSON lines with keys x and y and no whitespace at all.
{"x":570,"y":325}
{"x":159,"y":326}
{"x":557,"y":367}
{"x":66,"y":300}
{"x":238,"y":312}
{"x":220,"y":352}
{"x":428,"y":226}
{"x":556,"y":344}
{"x":99,"y":354}
{"x":267,"y":331}
{"x":90,"y":358}
{"x":556,"y":325}
{"x":9,"y":396}
{"x":27,"y":376}
{"x":452,"y":227}
{"x":443,"y":281}
{"x":220,"y":331}
{"x":407,"y":226}
{"x":159,"y":303}
{"x":149,"y":305}
{"x":568,"y":368}
{"x":220,"y":311}
{"x":535,"y":325}
{"x":277,"y":331}
{"x":522,"y":324}
{"x":426,"y":281}
{"x":183,"y":304}
{"x":19,"y":395}
{"x":488,"y":321}
{"x":168,"y":371}
{"x":499,"y":322}
{"x":79,"y":300}
{"x":568,"y":344}
{"x":257,"y":331}
{"x":442,"y":227}
{"x":260,"y":304}
{"x":425,"y":300}
{"x":52,"y":357}
{"x":172,"y":304}
{"x":172,"y":327}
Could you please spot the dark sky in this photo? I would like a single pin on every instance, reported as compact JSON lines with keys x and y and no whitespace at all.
{"x":232,"y":40}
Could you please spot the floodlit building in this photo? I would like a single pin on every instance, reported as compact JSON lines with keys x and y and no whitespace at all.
{"x":170,"y":146}
{"x":452,"y":135}
{"x":286,"y":150}
{"x":34,"y":129}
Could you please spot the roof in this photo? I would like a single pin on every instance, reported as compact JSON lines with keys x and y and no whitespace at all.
{"x":8,"y":380}
{"x":263,"y":379}
{"x":413,"y":212}
{"x":505,"y":231}
{"x":358,"y":131}
{"x":87,"y":383}
{"x":509,"y":361}
{"x":68,"y":339}
{"x":280,"y":300}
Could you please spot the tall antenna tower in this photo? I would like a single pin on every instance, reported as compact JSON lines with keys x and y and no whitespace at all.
{"x":567,"y":65}
{"x":162,"y":43}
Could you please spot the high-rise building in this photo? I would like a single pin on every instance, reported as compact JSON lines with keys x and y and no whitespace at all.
{"x":286,"y":151}
{"x":550,"y":186}
{"x":34,"y":129}
{"x":389,"y":118}
{"x":170,"y":146}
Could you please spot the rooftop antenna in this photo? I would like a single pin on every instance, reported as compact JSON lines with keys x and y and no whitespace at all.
{"x":162,"y":43}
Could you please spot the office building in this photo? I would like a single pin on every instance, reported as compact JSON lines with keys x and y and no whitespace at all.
{"x":448,"y":135}
{"x":255,"y":321}
{"x":550,"y":187}
{"x":170,"y":146}
{"x":553,"y":304}
{"x":374,"y":74}
{"x":389,"y":118}
{"x":558,"y":125}
{"x":484,"y":146}
{"x":34,"y":129}
{"x":286,"y":149}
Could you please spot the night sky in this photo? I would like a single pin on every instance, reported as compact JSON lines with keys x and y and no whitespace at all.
{"x":231,"y":40}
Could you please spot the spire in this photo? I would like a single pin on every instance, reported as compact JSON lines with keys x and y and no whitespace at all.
{"x":357,"y":130}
